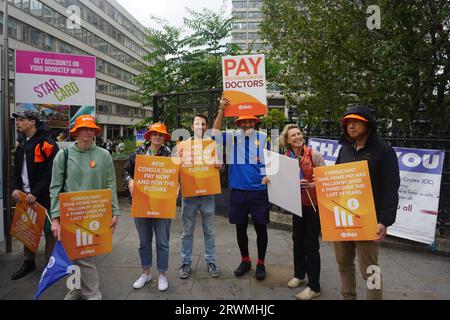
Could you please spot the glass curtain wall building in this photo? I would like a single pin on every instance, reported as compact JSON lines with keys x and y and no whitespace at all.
{"x":106,"y":31}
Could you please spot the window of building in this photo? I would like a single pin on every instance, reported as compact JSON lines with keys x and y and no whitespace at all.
{"x":255,"y":14}
{"x":254,"y":25}
{"x":255,"y":4}
{"x":253,"y":36}
{"x":239,"y":36}
{"x":239,"y":4}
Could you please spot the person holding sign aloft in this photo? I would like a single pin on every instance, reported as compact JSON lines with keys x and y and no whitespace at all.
{"x":245,"y":157}
{"x":83,"y":167}
{"x":360,"y":142}
{"x":155,"y":137}
{"x":306,"y":229}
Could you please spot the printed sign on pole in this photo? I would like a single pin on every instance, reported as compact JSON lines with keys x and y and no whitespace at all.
{"x":58,"y":87}
{"x":155,"y":187}
{"x":28,"y":223}
{"x":198,"y":175}
{"x":86,"y":217}
{"x":346,"y":206}
{"x":244,"y":85}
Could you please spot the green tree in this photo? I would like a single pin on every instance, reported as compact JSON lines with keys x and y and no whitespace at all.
{"x":186,"y":58}
{"x":274,"y":119}
{"x":329,"y":57}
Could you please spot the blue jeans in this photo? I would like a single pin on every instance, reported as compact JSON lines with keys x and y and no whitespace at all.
{"x":145,"y":228}
{"x":206,"y":206}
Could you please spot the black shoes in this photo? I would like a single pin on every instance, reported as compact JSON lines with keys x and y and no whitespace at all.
{"x":260,"y":273}
{"x":26,"y":268}
{"x":243,"y":268}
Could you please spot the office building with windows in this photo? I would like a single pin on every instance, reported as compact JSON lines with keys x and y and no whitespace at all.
{"x":100,"y":28}
{"x":247,"y":18}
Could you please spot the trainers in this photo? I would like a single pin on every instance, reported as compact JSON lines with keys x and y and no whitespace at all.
{"x":296,"y":282}
{"x":143,"y":279}
{"x":97,"y":296}
{"x":163,"y":285}
{"x":307,"y":294}
{"x":74,"y":294}
{"x":185,"y":271}
{"x":243,"y":268}
{"x":213,"y":271}
{"x":260,"y":273}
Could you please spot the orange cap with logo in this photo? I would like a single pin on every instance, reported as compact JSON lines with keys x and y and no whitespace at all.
{"x":157,"y":127}
{"x":86,"y":121}
{"x":354,"y":116}
{"x":242,"y":118}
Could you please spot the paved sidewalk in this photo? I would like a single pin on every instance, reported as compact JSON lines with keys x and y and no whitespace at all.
{"x":407,"y":275}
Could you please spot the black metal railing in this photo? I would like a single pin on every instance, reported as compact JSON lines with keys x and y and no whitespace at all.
{"x":177,"y":109}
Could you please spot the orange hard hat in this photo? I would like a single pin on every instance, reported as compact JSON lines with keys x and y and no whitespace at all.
{"x":85,"y":121}
{"x":247,"y":118}
{"x":354,"y":116}
{"x":157,"y":127}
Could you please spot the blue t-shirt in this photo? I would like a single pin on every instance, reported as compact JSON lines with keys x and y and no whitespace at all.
{"x":245,"y":157}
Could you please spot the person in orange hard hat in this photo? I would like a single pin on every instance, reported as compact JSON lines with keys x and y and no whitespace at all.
{"x":246,"y":170}
{"x":155,"y":137}
{"x":360,"y":142}
{"x":81,"y":167}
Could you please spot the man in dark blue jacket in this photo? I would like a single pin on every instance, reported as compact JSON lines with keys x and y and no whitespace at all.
{"x":32,"y":175}
{"x":360,"y":142}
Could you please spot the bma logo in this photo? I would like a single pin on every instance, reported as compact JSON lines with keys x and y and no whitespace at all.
{"x":374,"y":280}
{"x":74,"y":19}
{"x":374,"y":21}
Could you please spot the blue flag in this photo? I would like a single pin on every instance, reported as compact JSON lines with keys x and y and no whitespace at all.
{"x":59,"y":265}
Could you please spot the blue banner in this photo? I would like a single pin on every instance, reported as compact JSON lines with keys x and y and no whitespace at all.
{"x":58,"y":267}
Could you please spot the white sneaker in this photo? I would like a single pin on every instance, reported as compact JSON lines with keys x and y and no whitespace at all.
{"x":307,"y":294}
{"x":143,"y":279}
{"x":162,"y":283}
{"x":98,"y":296}
{"x":74,"y":294}
{"x":296,"y":282}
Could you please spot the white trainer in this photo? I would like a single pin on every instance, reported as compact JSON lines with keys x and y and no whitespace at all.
{"x":163,"y":285}
{"x":296,"y":282}
{"x":74,"y":294}
{"x":307,"y":294}
{"x":143,"y":279}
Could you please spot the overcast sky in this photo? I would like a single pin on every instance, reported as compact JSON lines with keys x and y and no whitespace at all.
{"x":170,"y":10}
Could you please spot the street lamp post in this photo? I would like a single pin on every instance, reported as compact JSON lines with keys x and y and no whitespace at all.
{"x":6,"y":133}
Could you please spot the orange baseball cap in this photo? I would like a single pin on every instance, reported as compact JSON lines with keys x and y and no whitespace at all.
{"x":86,"y":121}
{"x":157,"y":127}
{"x":247,"y":118}
{"x":354,"y":116}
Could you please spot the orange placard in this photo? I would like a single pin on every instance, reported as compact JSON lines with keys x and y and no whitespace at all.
{"x":86,"y":217}
{"x":155,"y":187}
{"x":346,"y":206}
{"x":244,"y":85}
{"x":28,"y":223}
{"x":198,"y":175}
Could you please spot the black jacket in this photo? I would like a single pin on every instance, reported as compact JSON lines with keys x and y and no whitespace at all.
{"x":40,"y":151}
{"x":383,"y":167}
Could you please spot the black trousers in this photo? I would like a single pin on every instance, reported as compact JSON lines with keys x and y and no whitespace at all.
{"x":305,"y":236}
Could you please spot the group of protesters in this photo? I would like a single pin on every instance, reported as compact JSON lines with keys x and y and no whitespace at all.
{"x":43,"y":171}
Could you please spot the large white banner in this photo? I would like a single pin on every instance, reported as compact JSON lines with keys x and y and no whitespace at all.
{"x":420,"y":185}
